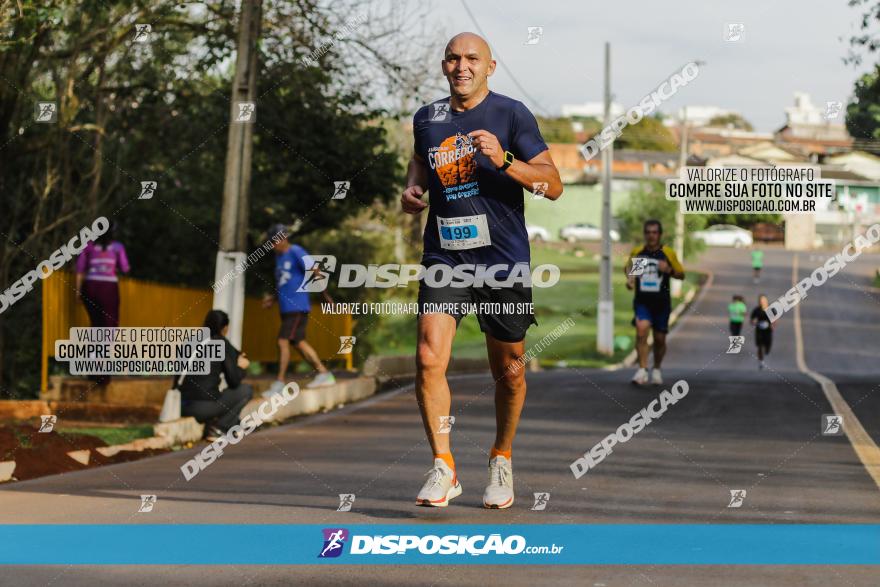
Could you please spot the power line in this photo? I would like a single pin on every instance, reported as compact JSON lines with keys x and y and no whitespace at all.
{"x":535,"y":103}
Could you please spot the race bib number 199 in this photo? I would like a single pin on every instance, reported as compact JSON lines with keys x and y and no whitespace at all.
{"x":463,"y":232}
{"x":651,"y":279}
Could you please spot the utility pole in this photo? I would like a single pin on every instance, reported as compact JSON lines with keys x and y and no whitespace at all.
{"x":234,"y":216}
{"x":675,"y":284}
{"x":605,"y":315}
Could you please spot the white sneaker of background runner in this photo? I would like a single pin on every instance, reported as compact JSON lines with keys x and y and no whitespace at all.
{"x":499,"y":492}
{"x":441,"y":486}
{"x":274,"y":389}
{"x":641,"y":377}
{"x":656,"y":376}
{"x":322,"y":379}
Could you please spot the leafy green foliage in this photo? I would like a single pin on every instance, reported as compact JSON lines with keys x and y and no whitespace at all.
{"x":649,"y":202}
{"x":648,"y":135}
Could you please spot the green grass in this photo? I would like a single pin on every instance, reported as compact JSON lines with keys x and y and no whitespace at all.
{"x":112,"y":436}
{"x":575,"y":297}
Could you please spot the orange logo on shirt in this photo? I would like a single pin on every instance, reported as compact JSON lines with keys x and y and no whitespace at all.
{"x":453,"y":160}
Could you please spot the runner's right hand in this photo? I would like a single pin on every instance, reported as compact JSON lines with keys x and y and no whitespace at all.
{"x":630,"y":282}
{"x":411,"y":200}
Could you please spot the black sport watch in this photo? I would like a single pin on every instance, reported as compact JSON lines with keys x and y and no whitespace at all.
{"x":508,"y":160}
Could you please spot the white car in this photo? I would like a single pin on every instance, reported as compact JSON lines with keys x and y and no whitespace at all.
{"x":725,"y":235}
{"x":583,"y":231}
{"x":537,"y":233}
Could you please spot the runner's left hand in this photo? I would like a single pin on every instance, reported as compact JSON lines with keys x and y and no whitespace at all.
{"x":663,"y":266}
{"x":487,"y":144}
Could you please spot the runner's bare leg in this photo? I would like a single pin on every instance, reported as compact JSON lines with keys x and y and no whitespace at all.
{"x":283,"y":357}
{"x":435,"y":334}
{"x":510,"y":388}
{"x":642,"y":329}
{"x":659,"y":348}
{"x":311,"y":357}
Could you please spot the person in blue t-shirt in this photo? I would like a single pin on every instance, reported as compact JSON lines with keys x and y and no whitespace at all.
{"x":474,"y":152}
{"x":290,"y":275}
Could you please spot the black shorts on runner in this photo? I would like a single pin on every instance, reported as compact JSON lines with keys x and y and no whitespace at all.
{"x":293,"y":326}
{"x":505,"y":326}
{"x":764,"y":338}
{"x":735,"y":328}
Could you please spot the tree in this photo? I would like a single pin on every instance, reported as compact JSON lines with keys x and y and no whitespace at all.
{"x":648,"y":134}
{"x":556,"y":130}
{"x":648,"y":201}
{"x":129,"y":112}
{"x":863,"y":111}
{"x":731,"y":120}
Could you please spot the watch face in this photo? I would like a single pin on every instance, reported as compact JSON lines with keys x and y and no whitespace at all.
{"x":508,"y":157}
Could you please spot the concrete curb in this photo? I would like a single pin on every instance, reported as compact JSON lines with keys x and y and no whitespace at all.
{"x":311,"y":401}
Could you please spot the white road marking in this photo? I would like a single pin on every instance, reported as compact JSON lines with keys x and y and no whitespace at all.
{"x":865,"y":447}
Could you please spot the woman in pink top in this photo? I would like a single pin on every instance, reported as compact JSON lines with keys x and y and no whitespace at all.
{"x":96,"y":279}
{"x":97,"y":284}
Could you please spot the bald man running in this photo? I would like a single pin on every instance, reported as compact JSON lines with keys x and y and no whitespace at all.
{"x":475,"y":151}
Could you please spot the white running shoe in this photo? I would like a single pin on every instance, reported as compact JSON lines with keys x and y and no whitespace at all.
{"x":499,"y":492}
{"x":641,"y":377}
{"x":322,"y":380}
{"x":656,"y":376}
{"x":274,"y":389}
{"x":441,"y":486}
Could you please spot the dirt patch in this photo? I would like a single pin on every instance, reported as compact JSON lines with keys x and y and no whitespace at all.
{"x":37,"y":454}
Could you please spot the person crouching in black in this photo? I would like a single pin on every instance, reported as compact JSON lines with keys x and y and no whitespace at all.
{"x":216,"y":399}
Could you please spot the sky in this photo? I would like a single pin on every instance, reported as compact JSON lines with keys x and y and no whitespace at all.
{"x":787,"y":46}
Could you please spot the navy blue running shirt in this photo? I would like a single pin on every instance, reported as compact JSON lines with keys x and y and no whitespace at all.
{"x":476,"y":212}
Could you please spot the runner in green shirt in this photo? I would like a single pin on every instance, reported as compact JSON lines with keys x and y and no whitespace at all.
{"x":737,"y":310}
{"x":757,"y":264}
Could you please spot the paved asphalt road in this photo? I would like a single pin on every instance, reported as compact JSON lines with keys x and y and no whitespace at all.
{"x":738,"y":428}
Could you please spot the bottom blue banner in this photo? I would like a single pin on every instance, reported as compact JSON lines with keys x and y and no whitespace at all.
{"x":605,"y":544}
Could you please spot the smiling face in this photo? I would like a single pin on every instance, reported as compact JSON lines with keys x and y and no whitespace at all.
{"x":467,"y":63}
